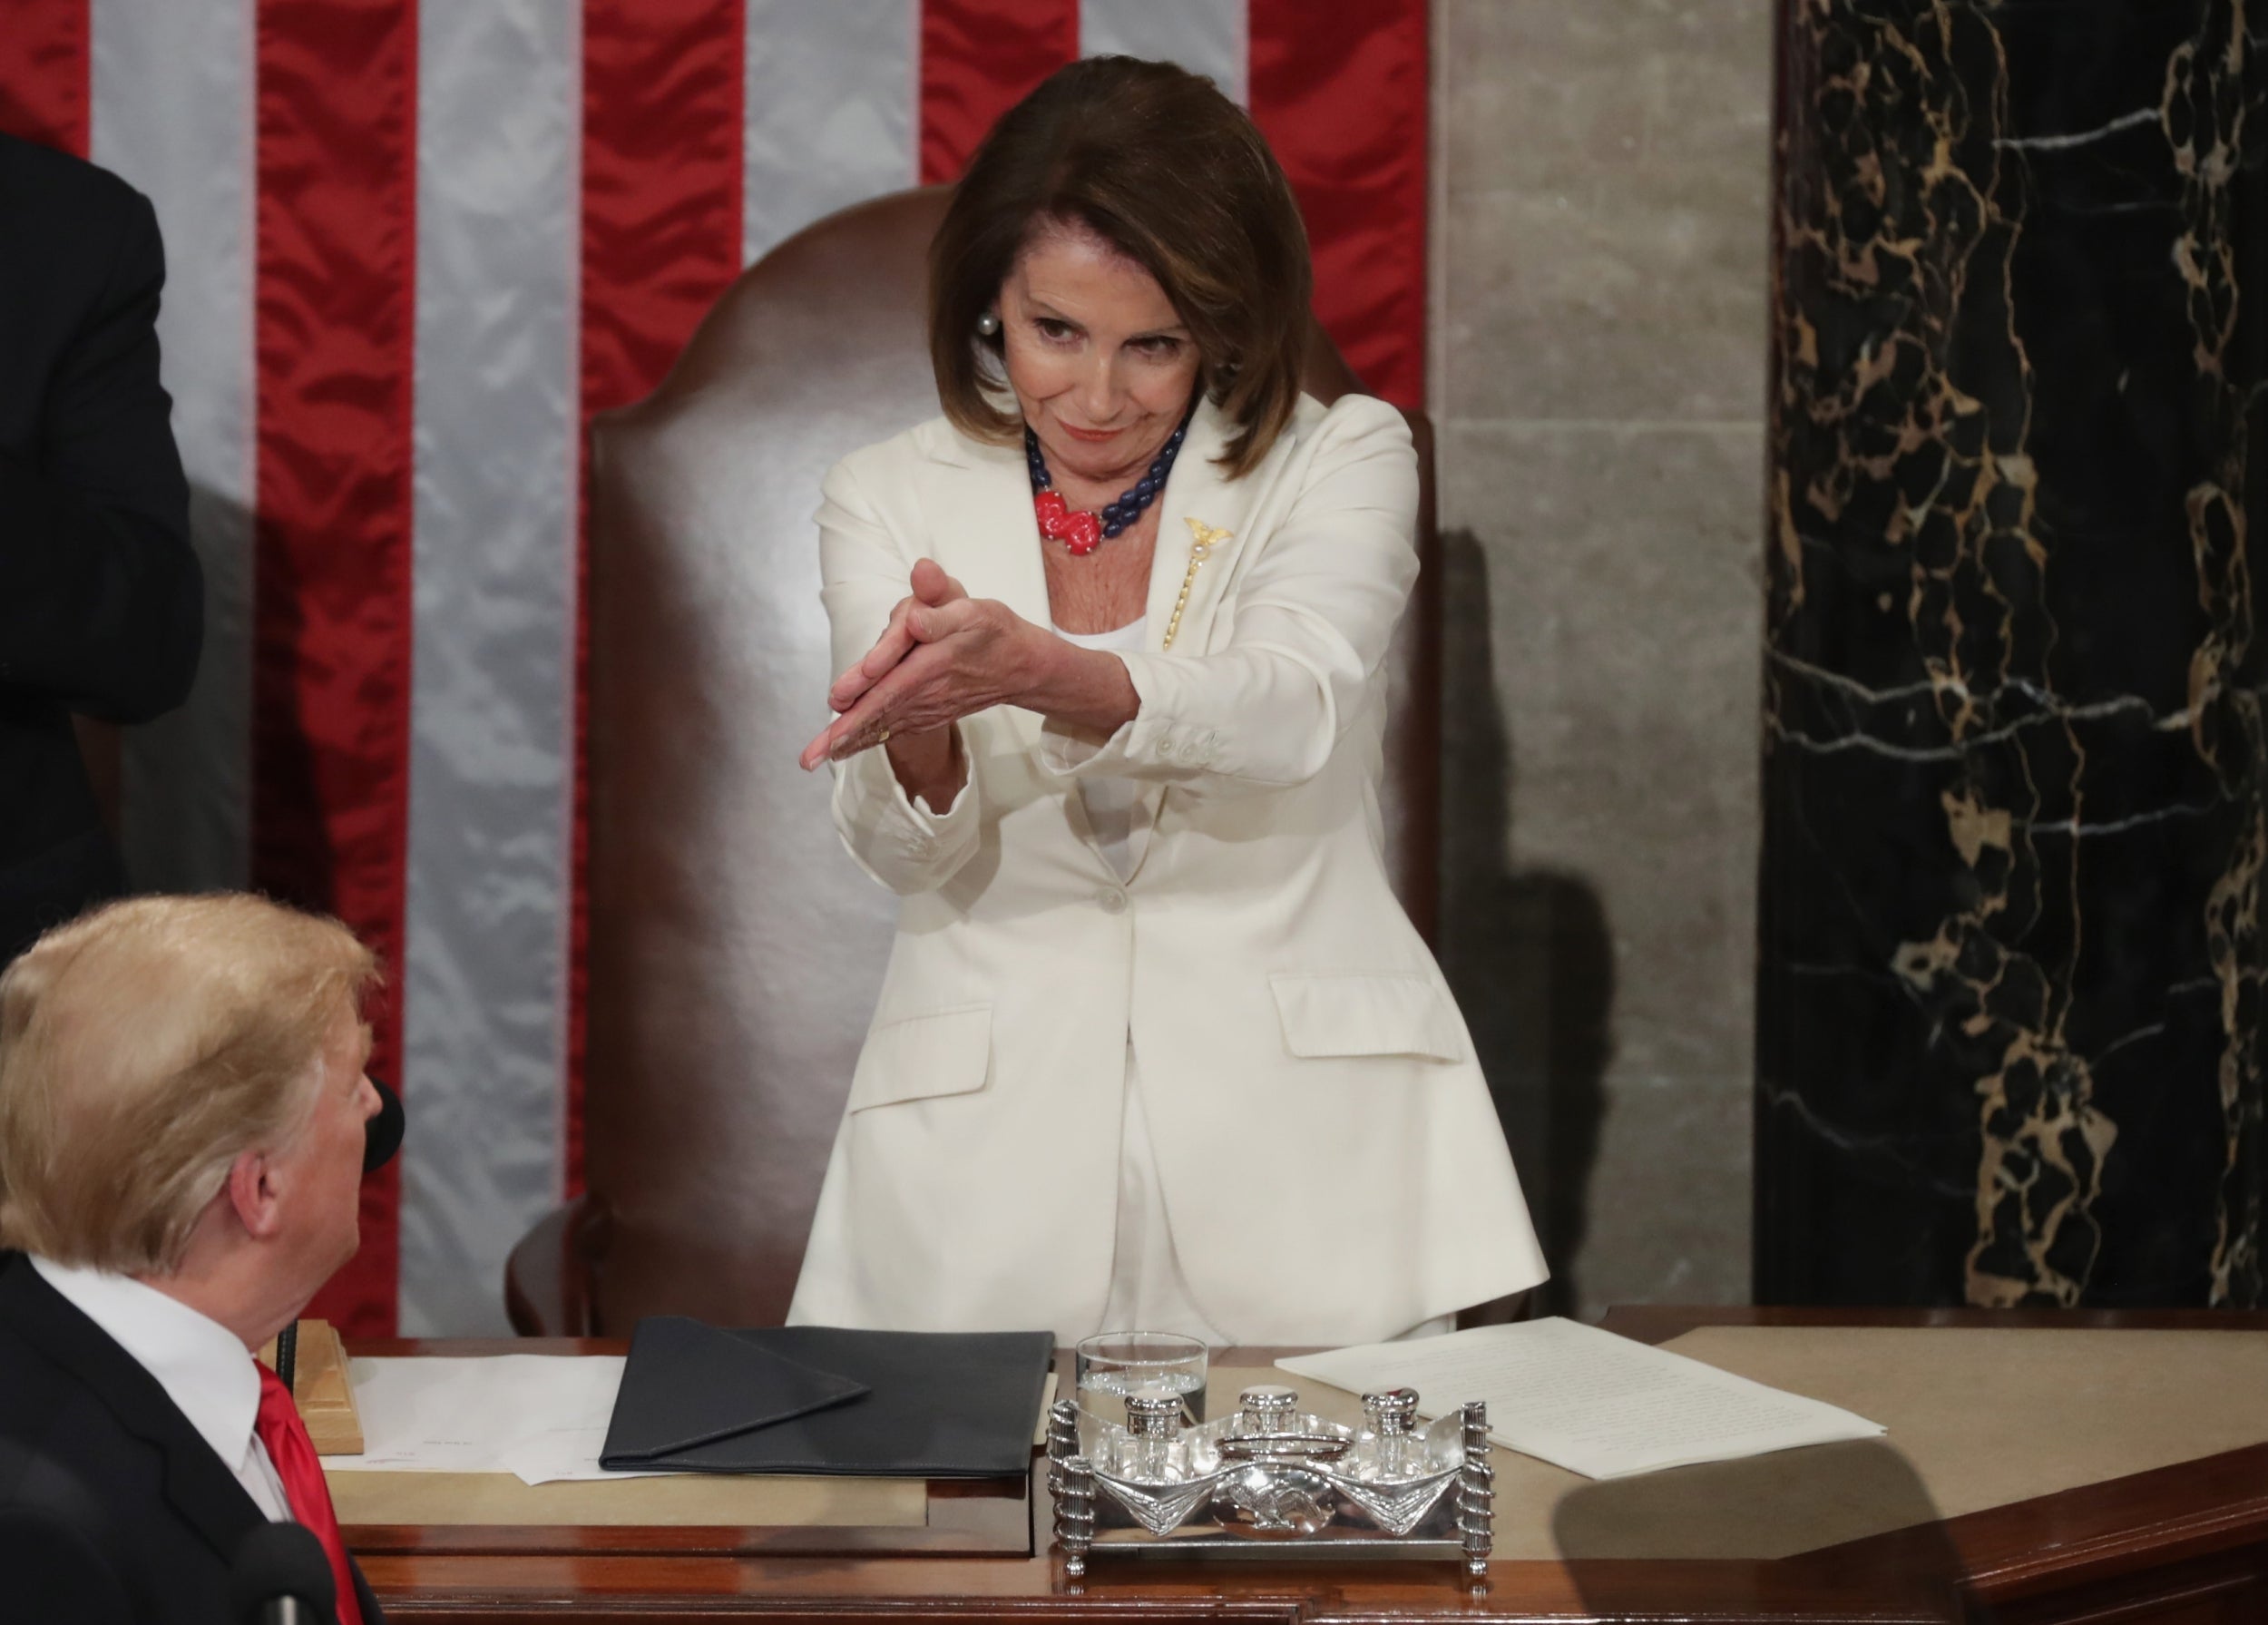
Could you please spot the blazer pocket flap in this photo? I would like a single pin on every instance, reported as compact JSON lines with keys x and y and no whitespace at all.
{"x":1374,"y":1015}
{"x":914,"y":1057}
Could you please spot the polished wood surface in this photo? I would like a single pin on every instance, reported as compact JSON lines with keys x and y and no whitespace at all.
{"x":2187,"y":1544}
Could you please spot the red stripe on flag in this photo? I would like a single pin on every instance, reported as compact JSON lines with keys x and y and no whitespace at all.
{"x":1340,"y":89}
{"x":44,"y":72}
{"x":662,"y":86}
{"x":979,"y":59}
{"x":335,"y":258}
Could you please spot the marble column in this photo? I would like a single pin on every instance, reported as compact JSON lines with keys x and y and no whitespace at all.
{"x":2011,"y":949}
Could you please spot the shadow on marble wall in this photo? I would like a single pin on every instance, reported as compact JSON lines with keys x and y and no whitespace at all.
{"x":1527,"y":951}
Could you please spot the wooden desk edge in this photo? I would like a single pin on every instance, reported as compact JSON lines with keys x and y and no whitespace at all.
{"x":2213,"y":1511}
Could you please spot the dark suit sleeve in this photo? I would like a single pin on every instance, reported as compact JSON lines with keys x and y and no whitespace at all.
{"x":50,"y":1572}
{"x":52,"y":1531}
{"x":102,"y":601}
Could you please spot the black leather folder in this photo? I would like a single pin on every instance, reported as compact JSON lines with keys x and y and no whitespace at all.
{"x":687,"y":1384}
{"x":826,"y":1400}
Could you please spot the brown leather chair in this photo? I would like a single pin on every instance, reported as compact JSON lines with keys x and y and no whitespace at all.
{"x":736,"y":951}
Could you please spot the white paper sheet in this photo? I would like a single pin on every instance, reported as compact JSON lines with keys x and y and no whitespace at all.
{"x":1588,"y":1400}
{"x":543,"y":1417}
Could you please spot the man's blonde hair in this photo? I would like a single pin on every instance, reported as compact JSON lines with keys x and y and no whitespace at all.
{"x":142,"y":1048}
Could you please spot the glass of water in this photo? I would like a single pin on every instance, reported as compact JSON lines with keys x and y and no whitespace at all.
{"x":1112,"y":1364}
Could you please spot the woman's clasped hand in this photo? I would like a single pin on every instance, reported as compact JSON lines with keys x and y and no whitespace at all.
{"x":943,"y":656}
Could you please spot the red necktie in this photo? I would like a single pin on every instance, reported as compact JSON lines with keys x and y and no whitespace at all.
{"x":279,"y":1428}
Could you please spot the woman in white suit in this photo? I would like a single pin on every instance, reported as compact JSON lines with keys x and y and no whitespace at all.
{"x":1156,"y":1047}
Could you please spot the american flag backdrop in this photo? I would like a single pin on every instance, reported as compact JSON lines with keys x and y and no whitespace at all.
{"x":411,"y":248}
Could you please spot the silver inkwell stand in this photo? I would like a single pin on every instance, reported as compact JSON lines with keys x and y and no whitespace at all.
{"x":1270,"y":1480}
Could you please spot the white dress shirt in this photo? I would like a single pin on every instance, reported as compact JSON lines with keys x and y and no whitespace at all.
{"x":203,"y":1367}
{"x":1118,"y":810}
{"x":1148,"y":1289}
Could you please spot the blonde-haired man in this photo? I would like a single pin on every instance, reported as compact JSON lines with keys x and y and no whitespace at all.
{"x":182,"y":1112}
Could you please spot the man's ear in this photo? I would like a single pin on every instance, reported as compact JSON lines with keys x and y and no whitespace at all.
{"x":253,"y":1194}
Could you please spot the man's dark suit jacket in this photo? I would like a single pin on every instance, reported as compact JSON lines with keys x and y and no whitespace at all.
{"x":101,"y":602}
{"x":142,"y":1515}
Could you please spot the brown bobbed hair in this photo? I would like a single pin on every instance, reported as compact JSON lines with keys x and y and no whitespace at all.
{"x":1159,"y":164}
{"x":144,"y":1046}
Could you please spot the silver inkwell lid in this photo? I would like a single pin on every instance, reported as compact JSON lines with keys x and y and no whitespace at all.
{"x":1268,"y":1408}
{"x":1392,"y":1412}
{"x":1153,"y":1414}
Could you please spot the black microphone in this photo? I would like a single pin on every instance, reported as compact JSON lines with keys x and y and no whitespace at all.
{"x":281,"y":1577}
{"x":382,"y":1135}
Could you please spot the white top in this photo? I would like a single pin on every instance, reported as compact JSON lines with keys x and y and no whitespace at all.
{"x":203,"y":1367}
{"x":1148,"y":1287}
{"x":1114,"y":806}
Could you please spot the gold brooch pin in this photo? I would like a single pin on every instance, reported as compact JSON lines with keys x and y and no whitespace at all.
{"x":1200,"y":549}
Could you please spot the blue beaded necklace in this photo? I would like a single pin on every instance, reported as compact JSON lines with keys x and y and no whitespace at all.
{"x":1083,"y":531}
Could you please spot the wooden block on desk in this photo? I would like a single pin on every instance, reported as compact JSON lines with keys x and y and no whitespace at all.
{"x":320,"y":1385}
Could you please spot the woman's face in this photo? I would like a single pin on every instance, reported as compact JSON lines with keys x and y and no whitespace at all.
{"x":1100,"y":363}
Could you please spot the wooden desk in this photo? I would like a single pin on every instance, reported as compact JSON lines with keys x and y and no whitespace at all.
{"x":2187,"y":1545}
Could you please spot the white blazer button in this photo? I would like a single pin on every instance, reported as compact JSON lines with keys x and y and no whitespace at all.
{"x":1111,"y":902}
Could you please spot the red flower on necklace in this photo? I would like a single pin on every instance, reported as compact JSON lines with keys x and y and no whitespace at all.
{"x":1076,"y":529}
{"x":1082,"y":532}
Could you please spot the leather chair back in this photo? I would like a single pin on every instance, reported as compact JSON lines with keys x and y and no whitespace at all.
{"x":735,"y":951}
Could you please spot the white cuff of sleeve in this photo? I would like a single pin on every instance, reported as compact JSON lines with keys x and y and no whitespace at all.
{"x":1151,"y":739}
{"x":1063,"y":753}
{"x":926,"y":821}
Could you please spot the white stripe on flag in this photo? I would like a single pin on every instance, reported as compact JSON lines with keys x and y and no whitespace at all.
{"x":491,"y":746}
{"x":172,"y":113}
{"x":833,"y":90}
{"x":1204,"y":36}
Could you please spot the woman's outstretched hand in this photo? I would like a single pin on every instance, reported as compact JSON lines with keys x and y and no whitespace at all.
{"x":943,"y":656}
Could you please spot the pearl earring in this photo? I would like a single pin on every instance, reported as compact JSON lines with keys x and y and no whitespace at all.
{"x":988,"y":325}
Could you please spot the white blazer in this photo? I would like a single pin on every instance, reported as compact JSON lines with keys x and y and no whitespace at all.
{"x":1331,"y":1166}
